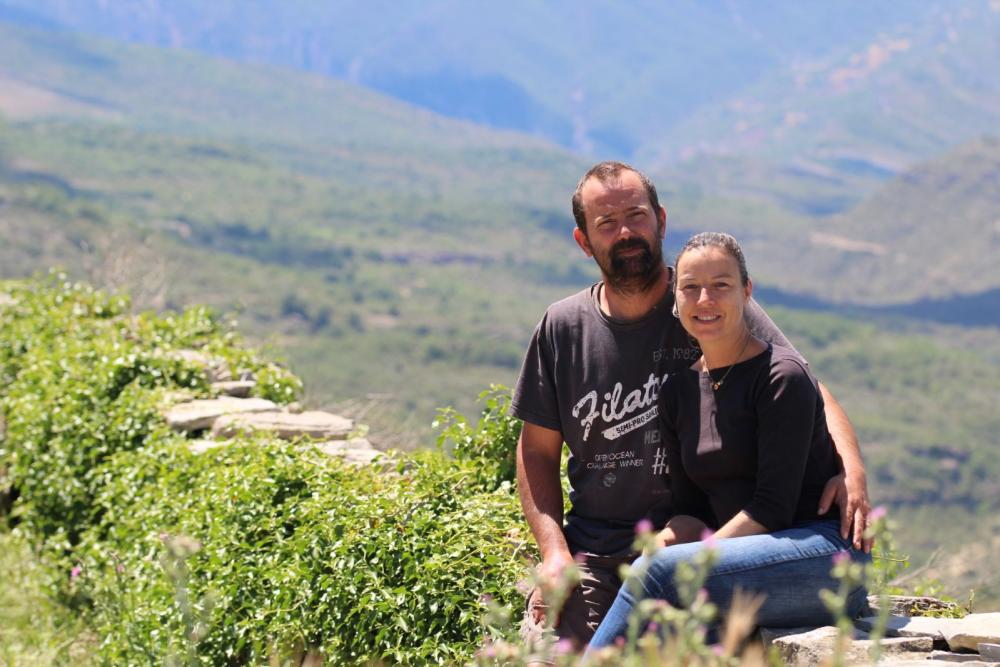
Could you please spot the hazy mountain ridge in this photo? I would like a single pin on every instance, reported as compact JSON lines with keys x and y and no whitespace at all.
{"x":603,"y":78}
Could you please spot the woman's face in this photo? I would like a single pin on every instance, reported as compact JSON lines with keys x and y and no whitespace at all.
{"x":710,"y":296}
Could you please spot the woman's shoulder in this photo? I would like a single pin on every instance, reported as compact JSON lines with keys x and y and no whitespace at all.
{"x":786,"y":366}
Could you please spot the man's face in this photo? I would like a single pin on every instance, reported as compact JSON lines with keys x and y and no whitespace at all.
{"x":624,"y":233}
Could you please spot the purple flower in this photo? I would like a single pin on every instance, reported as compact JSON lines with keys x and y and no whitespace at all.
{"x":564,"y":647}
{"x":841,"y":557}
{"x":75,"y":572}
{"x":877,"y":513}
{"x":708,"y":537}
{"x":644,"y":527}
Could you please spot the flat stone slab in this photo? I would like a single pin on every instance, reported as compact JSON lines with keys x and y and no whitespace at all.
{"x":202,"y":414}
{"x":948,"y":656}
{"x":989,"y":651}
{"x":236,"y":388}
{"x":286,"y":425}
{"x":815,"y":646}
{"x":930,"y":662}
{"x":960,"y":633}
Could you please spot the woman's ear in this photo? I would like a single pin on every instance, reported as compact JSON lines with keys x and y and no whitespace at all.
{"x":748,"y":290}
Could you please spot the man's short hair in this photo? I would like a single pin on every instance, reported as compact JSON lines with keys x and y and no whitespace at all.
{"x":604,"y":172}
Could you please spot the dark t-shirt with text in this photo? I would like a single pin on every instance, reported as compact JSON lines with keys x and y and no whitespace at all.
{"x":597,"y":381}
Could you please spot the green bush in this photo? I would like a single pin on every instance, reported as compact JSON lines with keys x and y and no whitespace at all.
{"x":247,"y":551}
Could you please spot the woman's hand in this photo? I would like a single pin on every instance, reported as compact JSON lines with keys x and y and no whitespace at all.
{"x":681,"y":530}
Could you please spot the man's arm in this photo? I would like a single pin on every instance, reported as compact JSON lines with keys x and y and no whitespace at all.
{"x":539,"y":452}
{"x":849,"y":491}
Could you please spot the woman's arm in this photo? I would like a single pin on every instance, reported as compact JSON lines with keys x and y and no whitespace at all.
{"x":786,"y":407}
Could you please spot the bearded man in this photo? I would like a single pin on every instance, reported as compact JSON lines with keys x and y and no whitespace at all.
{"x":591,"y":379}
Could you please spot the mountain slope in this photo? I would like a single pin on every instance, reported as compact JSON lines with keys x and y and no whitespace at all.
{"x":597,"y":76}
{"x":932,"y":233}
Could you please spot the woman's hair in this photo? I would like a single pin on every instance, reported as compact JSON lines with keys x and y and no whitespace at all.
{"x":717,"y":240}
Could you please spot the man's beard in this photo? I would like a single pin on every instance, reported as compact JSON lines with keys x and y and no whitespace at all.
{"x":631,"y":274}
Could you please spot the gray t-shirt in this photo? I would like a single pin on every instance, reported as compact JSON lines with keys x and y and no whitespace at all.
{"x":597,"y":381}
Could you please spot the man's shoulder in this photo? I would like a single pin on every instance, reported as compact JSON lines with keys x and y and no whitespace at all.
{"x":571,"y":308}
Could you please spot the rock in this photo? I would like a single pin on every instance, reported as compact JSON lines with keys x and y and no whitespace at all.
{"x":959,"y":633}
{"x":989,"y":651}
{"x":910,"y":605}
{"x":217,"y":370}
{"x":286,"y":425}
{"x":237,"y":388}
{"x":928,"y":662}
{"x":948,"y":656}
{"x":361,"y":454}
{"x":973,"y":630}
{"x":815,"y":646}
{"x":202,"y":446}
{"x":202,"y":414}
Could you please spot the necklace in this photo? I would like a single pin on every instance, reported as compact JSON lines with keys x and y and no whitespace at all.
{"x":718,"y":383}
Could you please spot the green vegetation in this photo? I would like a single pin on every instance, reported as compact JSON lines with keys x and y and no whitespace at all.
{"x":34,"y":629}
{"x":256,"y":549}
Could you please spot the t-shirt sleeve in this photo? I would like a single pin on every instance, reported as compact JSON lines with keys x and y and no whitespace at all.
{"x":786,"y":409}
{"x":534,"y":399}
{"x":762,"y":326}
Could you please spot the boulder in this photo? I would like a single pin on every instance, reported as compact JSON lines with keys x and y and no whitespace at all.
{"x":237,"y":388}
{"x":286,"y":425}
{"x":989,"y":651}
{"x":202,"y":414}
{"x":804,"y":646}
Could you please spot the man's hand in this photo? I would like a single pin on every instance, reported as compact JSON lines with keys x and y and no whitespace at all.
{"x":850,"y":493}
{"x":550,"y":573}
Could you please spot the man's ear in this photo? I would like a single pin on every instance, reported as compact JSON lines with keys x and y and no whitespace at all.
{"x":661,"y":221}
{"x":582,"y":241}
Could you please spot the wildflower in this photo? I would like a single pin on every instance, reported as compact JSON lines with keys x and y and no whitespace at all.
{"x":75,"y":572}
{"x":564,"y":646}
{"x":644,"y":527}
{"x":877,"y":513}
{"x":841,"y":557}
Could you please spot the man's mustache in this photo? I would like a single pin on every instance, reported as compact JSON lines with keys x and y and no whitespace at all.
{"x":628,"y":244}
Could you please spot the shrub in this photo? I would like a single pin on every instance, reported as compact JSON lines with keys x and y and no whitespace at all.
{"x":254,"y":549}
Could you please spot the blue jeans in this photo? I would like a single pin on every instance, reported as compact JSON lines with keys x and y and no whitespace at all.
{"x":789,"y":566}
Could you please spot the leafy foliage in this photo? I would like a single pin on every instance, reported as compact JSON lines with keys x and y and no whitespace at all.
{"x":242,"y":552}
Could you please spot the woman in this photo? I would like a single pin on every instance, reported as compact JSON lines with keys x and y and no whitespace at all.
{"x":749,"y":454}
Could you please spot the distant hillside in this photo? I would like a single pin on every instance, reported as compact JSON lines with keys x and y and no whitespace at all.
{"x":931,"y":235}
{"x":708,"y":76}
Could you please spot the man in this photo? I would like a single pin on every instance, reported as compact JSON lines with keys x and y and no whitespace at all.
{"x":591,"y":378}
